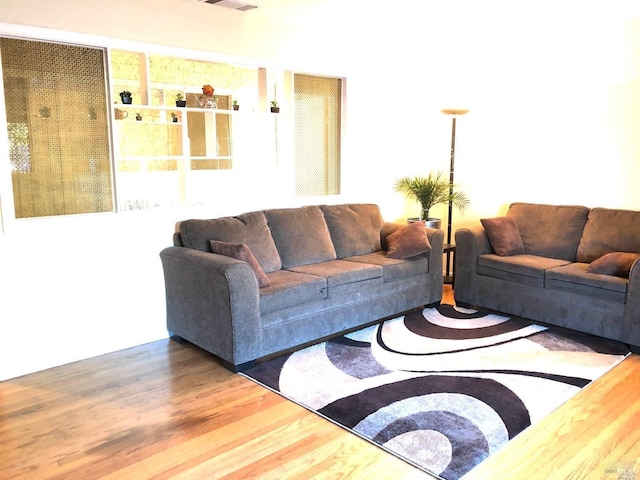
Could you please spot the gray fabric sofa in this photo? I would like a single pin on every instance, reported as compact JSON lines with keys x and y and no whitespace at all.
{"x":553,"y":280}
{"x":327,"y":268}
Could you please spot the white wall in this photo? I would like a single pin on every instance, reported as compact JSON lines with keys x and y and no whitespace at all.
{"x":554,"y":93}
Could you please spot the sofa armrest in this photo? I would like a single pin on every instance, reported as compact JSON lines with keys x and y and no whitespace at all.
{"x":471,"y":242}
{"x":632,"y":307}
{"x":436,"y":239}
{"x":213,"y":302}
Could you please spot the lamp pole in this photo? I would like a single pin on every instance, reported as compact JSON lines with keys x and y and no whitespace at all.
{"x":449,"y":247}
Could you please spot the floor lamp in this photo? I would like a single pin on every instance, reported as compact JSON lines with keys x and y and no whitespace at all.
{"x":449,"y":248}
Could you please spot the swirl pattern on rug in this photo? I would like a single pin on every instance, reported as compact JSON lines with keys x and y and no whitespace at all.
{"x":441,"y":388}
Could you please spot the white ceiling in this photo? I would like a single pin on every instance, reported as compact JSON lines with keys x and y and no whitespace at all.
{"x":291,"y":11}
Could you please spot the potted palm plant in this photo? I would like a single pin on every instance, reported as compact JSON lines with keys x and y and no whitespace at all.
{"x":430,"y":191}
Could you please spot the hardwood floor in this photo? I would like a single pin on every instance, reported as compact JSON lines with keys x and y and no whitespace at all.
{"x":168,"y":410}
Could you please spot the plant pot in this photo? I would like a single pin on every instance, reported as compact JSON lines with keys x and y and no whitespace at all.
{"x":275,"y":109}
{"x":126,"y":100}
{"x":433,"y":223}
{"x":139,"y":118}
{"x":181,"y":103}
{"x":236,"y":107}
{"x":429,"y":222}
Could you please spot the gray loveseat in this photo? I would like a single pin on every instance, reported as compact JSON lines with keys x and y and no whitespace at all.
{"x":328,"y":273}
{"x":564,"y":276}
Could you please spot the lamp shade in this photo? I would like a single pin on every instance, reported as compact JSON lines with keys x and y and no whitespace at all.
{"x":454,"y":111}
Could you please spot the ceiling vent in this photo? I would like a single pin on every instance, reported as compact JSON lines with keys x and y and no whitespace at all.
{"x":232,"y":4}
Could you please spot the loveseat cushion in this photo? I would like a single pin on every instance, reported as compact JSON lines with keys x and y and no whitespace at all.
{"x":301,"y":235}
{"x":552,"y":231}
{"x":609,"y":230}
{"x":574,"y":278}
{"x":615,"y":263}
{"x":354,"y":228}
{"x":249,"y":228}
{"x":503,"y":235}
{"x":525,"y":269}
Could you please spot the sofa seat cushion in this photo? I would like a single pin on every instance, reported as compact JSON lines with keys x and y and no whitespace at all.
{"x":575,"y":278}
{"x":552,"y":231}
{"x":289,"y":289}
{"x":609,"y":230}
{"x":394,"y":268}
{"x":249,"y":228}
{"x":301,"y":235}
{"x":354,"y":228}
{"x":525,"y":269}
{"x":343,"y":276}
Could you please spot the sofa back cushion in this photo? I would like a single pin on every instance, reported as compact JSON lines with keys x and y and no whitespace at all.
{"x":354,"y":228}
{"x":249,"y":228}
{"x":301,"y":235}
{"x":609,"y":230}
{"x":552,"y":231}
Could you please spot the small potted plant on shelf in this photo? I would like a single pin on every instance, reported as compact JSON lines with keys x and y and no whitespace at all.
{"x":236,"y":105}
{"x":274,"y":106}
{"x":126,"y":97}
{"x":429,"y":191}
{"x":138,"y":116}
{"x":180,"y":101}
{"x":174,"y":117}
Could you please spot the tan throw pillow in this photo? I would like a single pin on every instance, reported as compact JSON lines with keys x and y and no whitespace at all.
{"x":504,"y":236}
{"x":240,"y":251}
{"x":408,"y":241}
{"x":615,"y":263}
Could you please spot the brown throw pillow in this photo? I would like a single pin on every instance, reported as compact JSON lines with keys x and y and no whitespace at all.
{"x":504,"y":236}
{"x":614,"y":263}
{"x":408,"y":241}
{"x":240,"y":251}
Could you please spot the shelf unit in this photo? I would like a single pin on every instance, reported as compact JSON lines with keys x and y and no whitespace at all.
{"x":166,"y":163}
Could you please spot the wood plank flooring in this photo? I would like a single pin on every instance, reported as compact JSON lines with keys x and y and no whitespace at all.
{"x":168,"y":410}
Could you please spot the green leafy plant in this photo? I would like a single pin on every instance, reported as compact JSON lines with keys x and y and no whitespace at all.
{"x":125,"y":93}
{"x":179,"y":97}
{"x":430,"y":191}
{"x":274,"y":103}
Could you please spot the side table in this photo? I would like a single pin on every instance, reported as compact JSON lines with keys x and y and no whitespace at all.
{"x":450,"y":250}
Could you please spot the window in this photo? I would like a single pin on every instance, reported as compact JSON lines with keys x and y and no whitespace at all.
{"x":73,"y":151}
{"x":56,"y":111}
{"x":317,"y":134}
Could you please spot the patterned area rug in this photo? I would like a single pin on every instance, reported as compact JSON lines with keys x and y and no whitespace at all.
{"x":442,"y":388}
